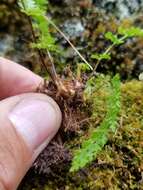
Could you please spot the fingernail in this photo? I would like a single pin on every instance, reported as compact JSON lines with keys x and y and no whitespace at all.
{"x":35,"y":120}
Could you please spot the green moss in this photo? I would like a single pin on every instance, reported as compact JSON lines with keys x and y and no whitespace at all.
{"x":119,"y":165}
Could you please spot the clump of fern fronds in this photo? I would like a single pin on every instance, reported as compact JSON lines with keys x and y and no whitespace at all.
{"x":36,"y":9}
{"x":91,"y":147}
{"x":116,"y":39}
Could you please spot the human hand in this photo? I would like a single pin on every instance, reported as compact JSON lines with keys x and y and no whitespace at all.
{"x":28,"y":121}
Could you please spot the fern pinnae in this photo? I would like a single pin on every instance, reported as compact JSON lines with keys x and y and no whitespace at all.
{"x":91,"y":147}
{"x":36,"y":10}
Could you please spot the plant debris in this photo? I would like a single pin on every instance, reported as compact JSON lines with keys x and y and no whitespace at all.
{"x":69,"y":97}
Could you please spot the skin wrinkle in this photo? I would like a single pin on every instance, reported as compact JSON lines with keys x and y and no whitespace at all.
{"x":2,"y":185}
{"x":2,"y":150}
{"x":4,"y":172}
{"x":22,"y":145}
{"x":14,"y":159}
{"x":12,"y":153}
{"x":10,"y":146}
{"x":2,"y":167}
{"x":9,"y":150}
{"x":2,"y":182}
{"x":12,"y":149}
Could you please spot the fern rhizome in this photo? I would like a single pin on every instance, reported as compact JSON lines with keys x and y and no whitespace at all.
{"x":74,"y":93}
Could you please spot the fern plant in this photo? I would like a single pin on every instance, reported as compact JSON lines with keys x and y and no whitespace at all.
{"x":91,"y":147}
{"x":36,"y":12}
{"x":116,"y":39}
{"x":36,"y":9}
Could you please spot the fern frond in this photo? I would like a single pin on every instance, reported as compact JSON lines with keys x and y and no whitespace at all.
{"x":91,"y":147}
{"x":42,"y":4}
{"x":101,"y":56}
{"x":113,"y":38}
{"x":131,"y":32}
{"x":36,"y":9}
{"x":31,"y":5}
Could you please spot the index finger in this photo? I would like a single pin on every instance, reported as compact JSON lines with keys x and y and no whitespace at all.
{"x":16,"y":79}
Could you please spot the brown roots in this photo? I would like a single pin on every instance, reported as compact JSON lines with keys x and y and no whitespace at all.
{"x":69,"y":96}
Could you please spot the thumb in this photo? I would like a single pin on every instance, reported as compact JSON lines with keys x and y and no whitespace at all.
{"x":27,"y":123}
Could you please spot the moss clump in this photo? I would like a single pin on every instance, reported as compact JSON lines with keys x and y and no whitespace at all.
{"x":119,"y":165}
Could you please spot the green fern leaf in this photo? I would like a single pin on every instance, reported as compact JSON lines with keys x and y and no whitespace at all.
{"x":29,"y":5}
{"x":113,"y":38}
{"x":42,"y":4}
{"x":101,"y":56}
{"x":37,"y":10}
{"x":131,"y":32}
{"x":91,"y":147}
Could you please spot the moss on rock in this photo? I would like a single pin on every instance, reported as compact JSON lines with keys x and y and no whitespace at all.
{"x":119,"y":165}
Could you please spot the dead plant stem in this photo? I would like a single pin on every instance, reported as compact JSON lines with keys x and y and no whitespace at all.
{"x":66,"y":38}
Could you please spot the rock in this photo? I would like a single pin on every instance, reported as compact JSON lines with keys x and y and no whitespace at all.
{"x":120,"y":8}
{"x":6,"y":44}
{"x":73,"y":27}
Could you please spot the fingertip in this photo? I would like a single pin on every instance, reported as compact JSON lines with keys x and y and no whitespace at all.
{"x":37,"y":118}
{"x":29,"y":122}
